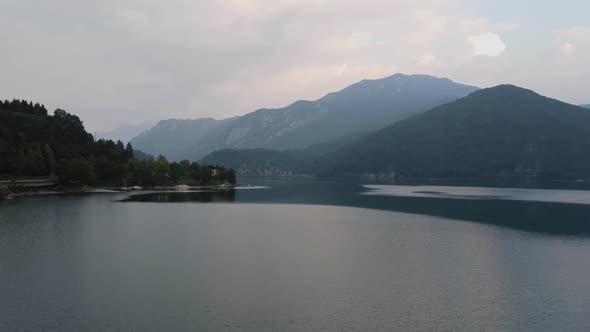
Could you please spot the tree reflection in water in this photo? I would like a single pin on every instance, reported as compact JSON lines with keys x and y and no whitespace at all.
{"x":208,"y":196}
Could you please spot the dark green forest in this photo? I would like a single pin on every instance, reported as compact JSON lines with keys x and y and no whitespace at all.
{"x":36,"y":144}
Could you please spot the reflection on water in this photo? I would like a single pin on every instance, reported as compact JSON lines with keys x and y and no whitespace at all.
{"x":201,"y":196}
{"x":518,"y":194}
{"x":90,"y":263}
{"x":550,"y":212}
{"x":540,"y":217}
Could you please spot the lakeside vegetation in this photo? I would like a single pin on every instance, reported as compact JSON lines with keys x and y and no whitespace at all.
{"x":500,"y":132}
{"x":36,"y":144}
{"x":159,"y":172}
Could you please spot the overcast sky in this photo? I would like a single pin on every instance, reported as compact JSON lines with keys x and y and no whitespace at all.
{"x":115,"y":62}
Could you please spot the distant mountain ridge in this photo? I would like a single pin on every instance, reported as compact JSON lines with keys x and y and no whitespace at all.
{"x":585,"y":106}
{"x":124,"y":133}
{"x":270,"y":162}
{"x":172,"y":137}
{"x":359,"y":109}
{"x":503,"y":131}
{"x":256,"y":162}
{"x":362,"y":107}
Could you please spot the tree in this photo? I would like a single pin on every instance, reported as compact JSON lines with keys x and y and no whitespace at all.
{"x":129,"y":151}
{"x":77,"y":171}
{"x":120,"y":146}
{"x":144,"y":172}
{"x":59,"y":113}
{"x":195,"y":172}
{"x":231,"y":176}
{"x":49,"y":158}
{"x":161,"y":169}
{"x":19,"y":162}
{"x":205,"y":174}
{"x":175,"y":172}
{"x":34,"y":162}
{"x":185,"y":165}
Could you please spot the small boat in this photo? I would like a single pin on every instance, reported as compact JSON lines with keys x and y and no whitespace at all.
{"x":134,"y":188}
{"x":125,"y":188}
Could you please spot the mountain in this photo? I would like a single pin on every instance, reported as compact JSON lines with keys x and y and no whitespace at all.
{"x":124,"y":133}
{"x":360,"y":108}
{"x":256,"y":161}
{"x":275,"y":162}
{"x":354,"y":111}
{"x":503,"y":131}
{"x":173,"y":137}
{"x":585,"y":106}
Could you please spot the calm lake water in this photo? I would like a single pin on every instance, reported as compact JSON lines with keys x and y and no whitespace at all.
{"x":298,"y":255}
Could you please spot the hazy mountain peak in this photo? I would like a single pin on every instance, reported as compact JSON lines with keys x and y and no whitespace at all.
{"x":171,"y":137}
{"x":407,"y":86}
{"x":505,"y":90}
{"x":173,"y":121}
{"x":359,"y":108}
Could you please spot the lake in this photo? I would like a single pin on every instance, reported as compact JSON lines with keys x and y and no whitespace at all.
{"x":299,"y":255}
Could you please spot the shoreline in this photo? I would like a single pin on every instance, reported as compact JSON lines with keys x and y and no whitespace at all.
{"x":111,"y":190}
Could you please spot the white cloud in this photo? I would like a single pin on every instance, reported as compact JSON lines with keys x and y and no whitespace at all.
{"x":487,"y":44}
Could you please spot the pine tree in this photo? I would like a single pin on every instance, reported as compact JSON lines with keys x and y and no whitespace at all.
{"x":129,"y":151}
{"x":120,"y":146}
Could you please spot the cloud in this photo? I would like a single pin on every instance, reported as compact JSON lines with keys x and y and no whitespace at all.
{"x":480,"y":25}
{"x":573,"y":40}
{"x":429,"y":25}
{"x":295,"y":83}
{"x":426,"y":59}
{"x":567,"y":48}
{"x":116,"y":61}
{"x":487,"y":44}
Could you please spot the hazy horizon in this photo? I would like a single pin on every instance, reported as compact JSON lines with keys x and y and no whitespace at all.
{"x":116,"y":63}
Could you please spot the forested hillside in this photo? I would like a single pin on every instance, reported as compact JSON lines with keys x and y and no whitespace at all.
{"x":359,"y":109}
{"x":356,"y":110}
{"x":505,"y":131}
{"x":34,"y":143}
{"x":257,"y":161}
{"x":276,"y":162}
